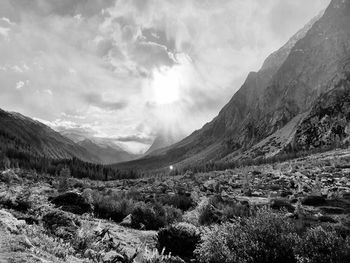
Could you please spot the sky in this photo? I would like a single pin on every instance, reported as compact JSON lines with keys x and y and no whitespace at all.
{"x":129,"y":69}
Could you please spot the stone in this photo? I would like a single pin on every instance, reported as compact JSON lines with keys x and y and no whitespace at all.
{"x":9,"y":222}
{"x":126,"y":221}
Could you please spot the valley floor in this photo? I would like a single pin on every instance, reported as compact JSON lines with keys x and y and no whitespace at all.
{"x":316,"y":187}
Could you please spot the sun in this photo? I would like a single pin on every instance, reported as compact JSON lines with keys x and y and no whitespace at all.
{"x":166,"y":85}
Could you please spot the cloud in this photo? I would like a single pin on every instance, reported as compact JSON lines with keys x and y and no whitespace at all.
{"x":19,"y":85}
{"x":126,"y":68}
{"x":135,"y":138}
{"x":96,"y":100}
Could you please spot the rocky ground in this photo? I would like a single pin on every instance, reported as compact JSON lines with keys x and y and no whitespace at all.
{"x":316,"y":188}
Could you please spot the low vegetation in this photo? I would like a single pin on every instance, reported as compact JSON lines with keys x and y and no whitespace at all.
{"x":289,"y":212}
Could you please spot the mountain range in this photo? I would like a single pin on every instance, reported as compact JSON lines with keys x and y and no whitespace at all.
{"x":288,"y":103}
{"x":23,"y":134}
{"x":298,"y":101}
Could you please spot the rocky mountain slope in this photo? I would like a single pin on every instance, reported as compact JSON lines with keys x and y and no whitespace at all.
{"x":282,"y":93}
{"x":22,"y":134}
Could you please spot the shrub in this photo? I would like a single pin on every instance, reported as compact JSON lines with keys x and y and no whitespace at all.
{"x":266,"y":237}
{"x":63,"y":184}
{"x":144,"y":217}
{"x":217,"y":210}
{"x":154,"y":216}
{"x":209,"y":215}
{"x":61,"y":224}
{"x":111,"y":207}
{"x":21,"y":202}
{"x":321,"y":246}
{"x":52,"y":245}
{"x":179,"y":239}
{"x":179,"y":200}
{"x":72,"y":202}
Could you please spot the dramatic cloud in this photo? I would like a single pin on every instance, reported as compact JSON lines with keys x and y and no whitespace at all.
{"x":124,"y":69}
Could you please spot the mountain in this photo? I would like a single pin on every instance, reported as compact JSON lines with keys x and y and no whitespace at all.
{"x":23,"y":134}
{"x":107,"y":153}
{"x":269,"y":111}
{"x":107,"y":150}
{"x":164,"y":138}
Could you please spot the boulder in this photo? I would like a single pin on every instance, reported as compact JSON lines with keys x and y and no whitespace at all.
{"x":9,"y":222}
{"x":72,"y":202}
{"x":126,"y":221}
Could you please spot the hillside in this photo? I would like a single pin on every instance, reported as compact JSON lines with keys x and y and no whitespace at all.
{"x":22,"y":134}
{"x":107,"y":153}
{"x":284,"y":90}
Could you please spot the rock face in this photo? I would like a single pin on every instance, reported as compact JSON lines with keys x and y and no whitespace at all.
{"x":288,"y":85}
{"x":328,"y":123}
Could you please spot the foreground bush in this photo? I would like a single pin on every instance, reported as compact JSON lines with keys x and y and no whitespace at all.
{"x":267,"y":237}
{"x":179,"y":239}
{"x":321,"y":246}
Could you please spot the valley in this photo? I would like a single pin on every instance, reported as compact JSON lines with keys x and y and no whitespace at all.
{"x":309,"y":191}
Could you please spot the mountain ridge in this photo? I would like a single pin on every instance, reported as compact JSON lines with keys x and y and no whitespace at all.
{"x":287,"y":86}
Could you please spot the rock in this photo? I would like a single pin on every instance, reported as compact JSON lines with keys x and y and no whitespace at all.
{"x":279,"y":204}
{"x":72,"y":202}
{"x":61,"y":224}
{"x":9,"y":222}
{"x":313,"y":200}
{"x":126,"y":221}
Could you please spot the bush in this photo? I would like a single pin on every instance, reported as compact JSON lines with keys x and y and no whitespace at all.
{"x":181,"y":201}
{"x":209,"y":215}
{"x":21,"y":202}
{"x":154,"y":216}
{"x":72,"y":202}
{"x":266,"y":237}
{"x":179,"y":239}
{"x":321,"y":246}
{"x":217,"y":210}
{"x":61,"y":224}
{"x":112,"y":207}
